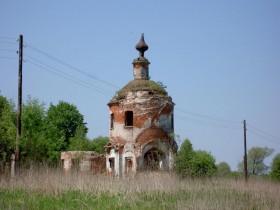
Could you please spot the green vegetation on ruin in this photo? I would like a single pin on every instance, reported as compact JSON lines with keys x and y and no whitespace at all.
{"x":141,"y":85}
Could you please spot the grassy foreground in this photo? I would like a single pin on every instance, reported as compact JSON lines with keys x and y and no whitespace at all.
{"x":50,"y":189}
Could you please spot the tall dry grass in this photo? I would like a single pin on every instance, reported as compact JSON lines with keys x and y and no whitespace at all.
{"x":152,"y":189}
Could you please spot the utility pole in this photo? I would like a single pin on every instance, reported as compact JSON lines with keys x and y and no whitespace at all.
{"x":245,"y":170}
{"x":15,"y":157}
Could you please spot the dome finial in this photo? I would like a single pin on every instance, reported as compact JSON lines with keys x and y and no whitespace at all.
{"x":142,"y":46}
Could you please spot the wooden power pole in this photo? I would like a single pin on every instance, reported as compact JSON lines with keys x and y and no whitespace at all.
{"x":245,"y":170}
{"x":15,"y":157}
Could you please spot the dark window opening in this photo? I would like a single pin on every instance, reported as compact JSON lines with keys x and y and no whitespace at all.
{"x":112,"y":163}
{"x":112,"y":121}
{"x":129,"y":118}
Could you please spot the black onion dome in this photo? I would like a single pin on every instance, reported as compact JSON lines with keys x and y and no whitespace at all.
{"x":142,"y":46}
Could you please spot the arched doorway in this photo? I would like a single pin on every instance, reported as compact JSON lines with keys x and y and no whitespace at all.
{"x":153,"y":159}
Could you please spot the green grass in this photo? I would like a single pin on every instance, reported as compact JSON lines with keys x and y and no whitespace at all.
{"x":20,"y":199}
{"x":47,"y":189}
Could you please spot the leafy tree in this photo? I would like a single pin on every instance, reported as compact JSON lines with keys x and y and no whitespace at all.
{"x":275,"y":167}
{"x":63,"y":121}
{"x":7,"y":130}
{"x":33,"y":145}
{"x":223,"y":169}
{"x":99,"y":143}
{"x":255,"y":160}
{"x":183,"y":161}
{"x":256,"y":156}
{"x":44,"y":133}
{"x":194,"y":163}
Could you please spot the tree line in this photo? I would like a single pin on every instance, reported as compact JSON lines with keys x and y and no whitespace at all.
{"x":61,"y":127}
{"x":191,"y":163}
{"x":45,"y":132}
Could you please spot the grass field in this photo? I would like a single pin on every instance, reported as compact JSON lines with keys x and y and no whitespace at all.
{"x":50,"y":189}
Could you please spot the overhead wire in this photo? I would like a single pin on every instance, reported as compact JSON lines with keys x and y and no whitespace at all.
{"x":10,"y":58}
{"x":205,"y":123}
{"x":56,"y":71}
{"x":66,"y":76}
{"x":70,"y":66}
{"x":231,"y":122}
{"x":6,"y":50}
{"x":264,"y":137}
{"x":5,"y":42}
{"x":208,"y":120}
{"x":263,"y":134}
{"x":5,"y":37}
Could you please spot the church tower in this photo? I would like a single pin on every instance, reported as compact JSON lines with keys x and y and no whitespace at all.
{"x":141,"y":124}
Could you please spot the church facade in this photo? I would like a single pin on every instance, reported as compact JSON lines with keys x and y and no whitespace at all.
{"x":141,"y":124}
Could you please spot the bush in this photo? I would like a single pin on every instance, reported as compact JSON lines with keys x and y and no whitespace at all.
{"x":275,"y":167}
{"x":223,"y":169}
{"x":183,"y":164}
{"x":190,"y":163}
{"x":203,"y":164}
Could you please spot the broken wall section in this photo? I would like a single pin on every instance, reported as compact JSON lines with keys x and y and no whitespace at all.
{"x":83,"y":161}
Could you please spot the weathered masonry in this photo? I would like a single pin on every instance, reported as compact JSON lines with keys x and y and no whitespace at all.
{"x":88,"y":162}
{"x":141,"y":124}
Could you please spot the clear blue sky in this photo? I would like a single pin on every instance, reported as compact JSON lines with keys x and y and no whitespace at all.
{"x":218,"y":59}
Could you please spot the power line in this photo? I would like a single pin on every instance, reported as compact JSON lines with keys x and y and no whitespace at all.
{"x":4,"y":42}
{"x":3,"y":57}
{"x":232,"y":122}
{"x":71,"y":78}
{"x":6,"y":50}
{"x":70,"y":66}
{"x":204,"y":123}
{"x":265,"y":133}
{"x":5,"y":37}
{"x":264,"y":137}
{"x":68,"y":75}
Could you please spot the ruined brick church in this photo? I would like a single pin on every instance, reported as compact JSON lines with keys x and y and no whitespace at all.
{"x":141,"y":129}
{"x":141,"y":124}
